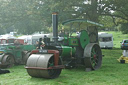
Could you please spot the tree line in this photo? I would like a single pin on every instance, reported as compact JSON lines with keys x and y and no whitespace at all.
{"x":29,"y":16}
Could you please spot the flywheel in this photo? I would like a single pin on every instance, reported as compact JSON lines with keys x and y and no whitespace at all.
{"x":83,"y":38}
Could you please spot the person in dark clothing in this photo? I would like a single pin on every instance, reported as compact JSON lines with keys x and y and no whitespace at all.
{"x":37,"y":44}
{"x":2,"y":71}
{"x":62,"y":33}
{"x":41,"y":43}
{"x":16,"y":42}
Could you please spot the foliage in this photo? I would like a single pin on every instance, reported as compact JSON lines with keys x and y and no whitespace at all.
{"x":20,"y":15}
{"x":124,"y":28}
{"x":119,"y":12}
{"x":29,"y":16}
{"x":2,"y":31}
{"x":107,"y":22}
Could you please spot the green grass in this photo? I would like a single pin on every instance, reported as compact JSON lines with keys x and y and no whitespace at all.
{"x":111,"y":72}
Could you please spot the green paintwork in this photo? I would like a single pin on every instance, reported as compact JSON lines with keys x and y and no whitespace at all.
{"x":67,"y":51}
{"x":65,"y":39}
{"x":28,"y":47}
{"x":84,"y":38}
{"x":73,"y":41}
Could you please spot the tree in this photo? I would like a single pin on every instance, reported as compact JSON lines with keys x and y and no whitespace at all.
{"x":2,"y":31}
{"x":24,"y":15}
{"x":124,"y":28}
{"x":117,"y":9}
{"x":14,"y":12}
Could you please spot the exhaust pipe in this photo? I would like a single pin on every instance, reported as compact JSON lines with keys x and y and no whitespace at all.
{"x":55,"y":27}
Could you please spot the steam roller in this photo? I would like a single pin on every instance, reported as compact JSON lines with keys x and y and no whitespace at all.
{"x":6,"y":61}
{"x":63,"y":52}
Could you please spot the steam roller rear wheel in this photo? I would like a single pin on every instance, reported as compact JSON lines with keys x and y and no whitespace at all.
{"x":7,"y":61}
{"x":92,"y":56}
{"x":42,"y":61}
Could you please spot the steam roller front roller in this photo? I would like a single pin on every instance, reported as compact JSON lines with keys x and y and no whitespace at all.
{"x":43,"y":66}
{"x":92,"y":56}
{"x":6,"y":61}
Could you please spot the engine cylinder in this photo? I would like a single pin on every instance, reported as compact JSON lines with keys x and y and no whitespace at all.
{"x":67,"y":51}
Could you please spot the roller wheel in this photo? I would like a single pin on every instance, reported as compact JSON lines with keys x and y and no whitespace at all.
{"x":7,"y":61}
{"x":92,"y":56}
{"x":42,"y":61}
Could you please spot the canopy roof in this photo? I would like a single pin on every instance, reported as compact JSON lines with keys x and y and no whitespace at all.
{"x":83,"y":21}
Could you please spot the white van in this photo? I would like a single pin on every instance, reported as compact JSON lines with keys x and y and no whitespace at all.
{"x":105,"y":40}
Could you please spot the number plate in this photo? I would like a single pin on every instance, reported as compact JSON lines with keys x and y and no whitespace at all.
{"x":43,"y":51}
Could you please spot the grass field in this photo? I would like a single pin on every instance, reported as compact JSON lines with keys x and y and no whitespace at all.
{"x":111,"y":72}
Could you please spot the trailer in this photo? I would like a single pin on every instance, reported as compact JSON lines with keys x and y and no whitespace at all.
{"x":8,"y":39}
{"x":105,"y":40}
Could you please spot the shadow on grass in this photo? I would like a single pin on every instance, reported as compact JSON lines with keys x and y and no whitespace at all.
{"x":34,"y":79}
{"x":114,"y":48}
{"x":66,"y":73}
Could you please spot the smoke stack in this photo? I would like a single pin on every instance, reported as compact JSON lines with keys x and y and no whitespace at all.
{"x":55,"y":26}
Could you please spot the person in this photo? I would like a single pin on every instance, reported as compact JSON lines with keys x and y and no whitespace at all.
{"x":40,"y":44}
{"x":25,"y":43}
{"x":16,"y":42}
{"x":2,"y":71}
{"x":62,"y":33}
{"x":37,"y":44}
